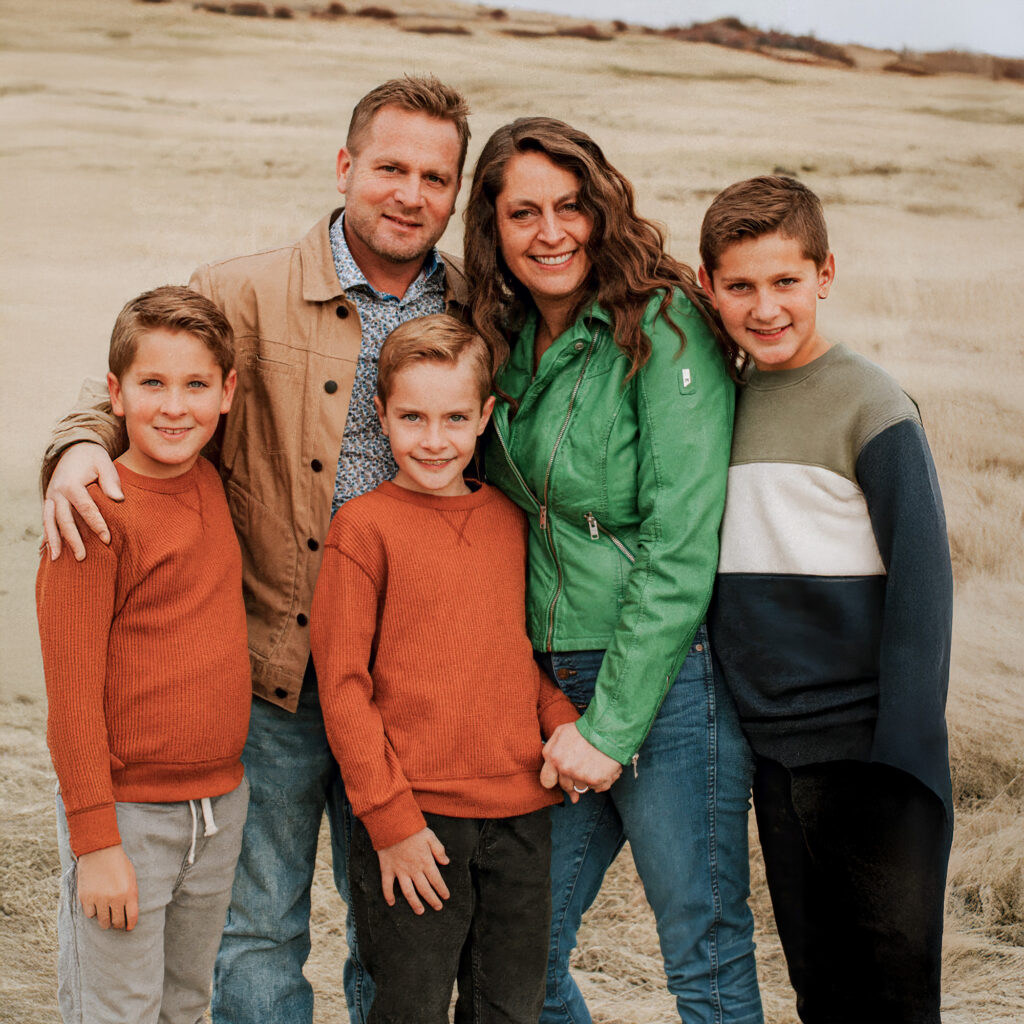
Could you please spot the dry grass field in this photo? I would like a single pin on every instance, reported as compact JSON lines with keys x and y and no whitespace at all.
{"x":137,"y":140}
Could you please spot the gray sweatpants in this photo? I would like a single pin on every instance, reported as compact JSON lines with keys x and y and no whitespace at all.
{"x":161,"y":970}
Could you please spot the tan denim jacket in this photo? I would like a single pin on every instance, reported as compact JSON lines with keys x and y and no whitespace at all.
{"x":297,"y":345}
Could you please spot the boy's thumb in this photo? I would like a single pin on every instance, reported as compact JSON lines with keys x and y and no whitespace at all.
{"x":548,"y":776}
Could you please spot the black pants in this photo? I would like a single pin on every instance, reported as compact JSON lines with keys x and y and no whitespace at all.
{"x":491,"y":934}
{"x":856,"y":856}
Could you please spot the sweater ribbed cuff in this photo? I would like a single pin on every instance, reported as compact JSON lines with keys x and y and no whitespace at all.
{"x":394,"y":821}
{"x":94,"y":828}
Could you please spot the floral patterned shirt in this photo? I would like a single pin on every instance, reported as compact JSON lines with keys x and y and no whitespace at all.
{"x":365,"y":459}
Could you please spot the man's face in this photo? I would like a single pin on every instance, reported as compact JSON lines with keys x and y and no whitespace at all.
{"x":400,"y":186}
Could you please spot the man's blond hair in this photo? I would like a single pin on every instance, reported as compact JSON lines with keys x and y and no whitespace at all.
{"x":424,"y":94}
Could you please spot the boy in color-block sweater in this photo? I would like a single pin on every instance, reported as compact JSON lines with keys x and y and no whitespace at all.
{"x":434,"y":705}
{"x":831,"y":624}
{"x":147,"y":676}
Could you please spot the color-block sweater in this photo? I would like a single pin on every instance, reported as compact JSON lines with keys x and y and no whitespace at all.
{"x":145,"y":653}
{"x":430,"y":693}
{"x":833,"y":606}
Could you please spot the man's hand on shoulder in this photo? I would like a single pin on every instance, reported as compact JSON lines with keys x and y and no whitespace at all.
{"x":413,"y":864}
{"x":107,"y":888}
{"x":78,"y":467}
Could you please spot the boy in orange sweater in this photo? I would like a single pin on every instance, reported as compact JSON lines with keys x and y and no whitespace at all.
{"x":434,"y":705}
{"x":147,"y":675}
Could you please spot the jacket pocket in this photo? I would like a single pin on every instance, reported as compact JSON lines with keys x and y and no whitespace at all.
{"x":597,"y":531}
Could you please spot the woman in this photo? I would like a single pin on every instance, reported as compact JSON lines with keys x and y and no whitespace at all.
{"x":614,"y":436}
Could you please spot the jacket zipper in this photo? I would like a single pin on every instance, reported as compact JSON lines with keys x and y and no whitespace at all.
{"x":547,"y":478}
{"x":542,"y":502}
{"x":596,"y":529}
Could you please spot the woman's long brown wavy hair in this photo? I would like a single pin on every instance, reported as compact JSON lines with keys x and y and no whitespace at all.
{"x":627,"y":253}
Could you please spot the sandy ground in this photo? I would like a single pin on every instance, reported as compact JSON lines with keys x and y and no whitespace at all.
{"x":138,"y":140}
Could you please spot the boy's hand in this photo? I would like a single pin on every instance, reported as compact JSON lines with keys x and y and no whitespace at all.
{"x":78,"y":467}
{"x":413,"y":863}
{"x":574,"y":758}
{"x":107,"y":888}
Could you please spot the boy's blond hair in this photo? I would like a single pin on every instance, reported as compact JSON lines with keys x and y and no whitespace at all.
{"x":172,"y":308}
{"x":763,"y":206}
{"x":438,"y":338}
{"x":424,"y":94}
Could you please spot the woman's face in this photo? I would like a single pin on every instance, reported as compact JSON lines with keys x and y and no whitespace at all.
{"x":542,"y":229}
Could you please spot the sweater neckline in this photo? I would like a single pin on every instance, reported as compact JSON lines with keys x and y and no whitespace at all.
{"x":773,"y":380}
{"x":161,"y":485}
{"x":453,"y":502}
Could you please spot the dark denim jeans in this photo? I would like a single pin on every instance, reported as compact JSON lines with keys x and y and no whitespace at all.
{"x":293,"y":779}
{"x":491,"y":934}
{"x":855,"y":856}
{"x":684,"y":814}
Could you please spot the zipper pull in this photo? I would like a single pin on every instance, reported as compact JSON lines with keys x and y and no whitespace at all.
{"x":636,"y":757}
{"x":543,"y":517}
{"x":592,"y":523}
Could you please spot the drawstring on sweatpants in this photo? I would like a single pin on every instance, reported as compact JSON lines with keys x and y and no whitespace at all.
{"x":209,"y":825}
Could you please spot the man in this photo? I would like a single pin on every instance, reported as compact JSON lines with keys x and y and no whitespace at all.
{"x":309,"y":320}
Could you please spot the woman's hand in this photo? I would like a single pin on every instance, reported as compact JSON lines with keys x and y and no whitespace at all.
{"x":413,"y":864}
{"x":573,"y":757}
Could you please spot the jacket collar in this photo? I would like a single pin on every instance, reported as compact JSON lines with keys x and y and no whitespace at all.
{"x":320,"y":281}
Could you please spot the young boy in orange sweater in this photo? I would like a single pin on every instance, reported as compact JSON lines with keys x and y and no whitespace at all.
{"x":434,"y":705}
{"x":147,"y":676}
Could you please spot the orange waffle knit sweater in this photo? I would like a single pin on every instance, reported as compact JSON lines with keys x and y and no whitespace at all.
{"x":430,"y":693}
{"x":145,"y":654}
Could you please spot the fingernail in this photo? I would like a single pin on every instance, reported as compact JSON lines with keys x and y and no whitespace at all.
{"x":105,"y":537}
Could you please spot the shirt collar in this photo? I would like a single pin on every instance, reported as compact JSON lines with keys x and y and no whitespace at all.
{"x":430,"y":278}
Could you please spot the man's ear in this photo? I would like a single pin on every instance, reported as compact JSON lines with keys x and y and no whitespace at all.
{"x":343,"y":167}
{"x":114,"y":387}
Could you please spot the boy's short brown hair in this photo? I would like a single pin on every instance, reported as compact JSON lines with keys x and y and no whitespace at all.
{"x":424,"y":94}
{"x":173,"y":308}
{"x":763,"y":206}
{"x":438,"y":338}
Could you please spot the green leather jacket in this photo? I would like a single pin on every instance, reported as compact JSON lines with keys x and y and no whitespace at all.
{"x":624,"y":484}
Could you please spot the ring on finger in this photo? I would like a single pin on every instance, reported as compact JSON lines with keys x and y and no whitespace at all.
{"x":579,"y":790}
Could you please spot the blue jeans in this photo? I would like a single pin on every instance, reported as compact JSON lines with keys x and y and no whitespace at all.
{"x":684,"y":813}
{"x":293,"y":779}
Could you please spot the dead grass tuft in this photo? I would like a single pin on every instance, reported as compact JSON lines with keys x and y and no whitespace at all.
{"x":907,"y":67}
{"x":591,"y":32}
{"x":380,"y":13}
{"x":438,"y":30}
{"x":249,"y":10}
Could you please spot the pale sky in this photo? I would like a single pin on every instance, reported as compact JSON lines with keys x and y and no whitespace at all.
{"x":988,"y":26}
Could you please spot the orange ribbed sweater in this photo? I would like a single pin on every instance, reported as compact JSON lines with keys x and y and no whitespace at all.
{"x":430,"y":693}
{"x":145,"y":653}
